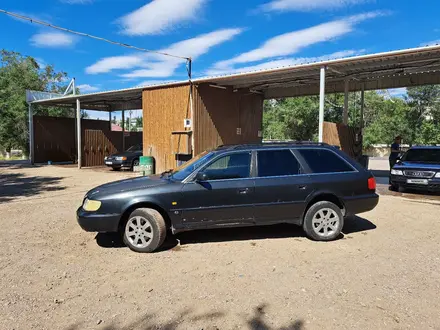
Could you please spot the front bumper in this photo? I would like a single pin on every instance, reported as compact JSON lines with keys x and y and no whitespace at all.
{"x":401,"y":181}
{"x":95,"y":222}
{"x":117,"y":163}
{"x":360,"y":204}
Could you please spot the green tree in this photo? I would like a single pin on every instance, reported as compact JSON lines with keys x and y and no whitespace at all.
{"x":18,"y":73}
{"x":291,"y":118}
{"x":424,"y":114}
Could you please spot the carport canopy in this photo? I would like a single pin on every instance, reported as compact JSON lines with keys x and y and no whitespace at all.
{"x":394,"y":69}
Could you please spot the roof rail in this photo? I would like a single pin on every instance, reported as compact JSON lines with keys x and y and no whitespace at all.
{"x":268,"y":144}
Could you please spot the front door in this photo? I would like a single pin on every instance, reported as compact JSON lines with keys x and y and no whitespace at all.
{"x":280,"y":188}
{"x":225,"y":197}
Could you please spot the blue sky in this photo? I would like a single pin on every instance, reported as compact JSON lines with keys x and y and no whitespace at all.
{"x":223,"y":36}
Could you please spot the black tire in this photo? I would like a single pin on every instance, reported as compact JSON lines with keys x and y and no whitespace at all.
{"x":394,"y":187}
{"x":157,"y":225}
{"x":310,"y":214}
{"x":116,"y":169}
{"x":135,"y":163}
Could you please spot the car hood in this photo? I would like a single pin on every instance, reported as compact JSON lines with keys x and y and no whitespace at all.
{"x":417,"y":165}
{"x":127,"y":154}
{"x":126,"y":185}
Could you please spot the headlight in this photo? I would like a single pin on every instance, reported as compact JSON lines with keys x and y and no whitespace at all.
{"x":91,"y":205}
{"x":396,"y":172}
{"x":105,"y":158}
{"x":121,"y":158}
{"x":437,"y":175}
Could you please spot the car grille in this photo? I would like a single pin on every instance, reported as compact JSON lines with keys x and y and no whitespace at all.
{"x":419,"y":174}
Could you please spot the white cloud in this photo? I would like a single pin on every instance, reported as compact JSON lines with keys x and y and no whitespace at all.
{"x":108,"y":64}
{"x":53,"y":39}
{"x":307,"y":5}
{"x":397,"y":92}
{"x":77,"y":2}
{"x":286,"y":62}
{"x":86,"y":88}
{"x":150,"y":65}
{"x":293,"y":42}
{"x":159,"y":16}
{"x":430,"y":43}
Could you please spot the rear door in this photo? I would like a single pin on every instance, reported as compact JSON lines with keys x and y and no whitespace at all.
{"x":225,"y":197}
{"x":281,"y":188}
{"x":330,"y":172}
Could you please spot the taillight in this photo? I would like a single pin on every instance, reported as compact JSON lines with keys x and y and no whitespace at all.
{"x":372,"y":183}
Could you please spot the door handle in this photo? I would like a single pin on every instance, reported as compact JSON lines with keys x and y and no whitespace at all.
{"x":303,"y":187}
{"x":243,"y":191}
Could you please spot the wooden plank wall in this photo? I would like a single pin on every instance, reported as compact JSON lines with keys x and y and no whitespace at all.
{"x":219,"y":112}
{"x":100,"y":143}
{"x":164,"y":111}
{"x":54,"y":139}
{"x":345,"y":137}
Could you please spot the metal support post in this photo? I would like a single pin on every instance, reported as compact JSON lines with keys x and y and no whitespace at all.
{"x":123,"y":130}
{"x":362,"y":108}
{"x":31,"y":134}
{"x":346,"y":89}
{"x":110,"y":120}
{"x":321,"y":103}
{"x":78,"y":132}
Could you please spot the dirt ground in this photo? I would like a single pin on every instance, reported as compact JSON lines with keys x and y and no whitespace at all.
{"x":383,"y":274}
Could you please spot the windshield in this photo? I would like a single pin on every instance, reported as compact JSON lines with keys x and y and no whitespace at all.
{"x":186,"y":169}
{"x":137,"y":147}
{"x":422,"y":155}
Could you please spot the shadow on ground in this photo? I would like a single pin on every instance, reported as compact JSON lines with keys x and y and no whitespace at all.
{"x":352,"y":225}
{"x":15,"y":185}
{"x":185,"y":319}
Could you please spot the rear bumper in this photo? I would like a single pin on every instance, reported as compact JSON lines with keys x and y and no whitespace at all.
{"x":400,"y":181}
{"x":360,"y":204}
{"x":102,"y":223}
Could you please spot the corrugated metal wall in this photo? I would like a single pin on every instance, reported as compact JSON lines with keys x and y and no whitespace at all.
{"x":219,"y":112}
{"x":164,"y":111}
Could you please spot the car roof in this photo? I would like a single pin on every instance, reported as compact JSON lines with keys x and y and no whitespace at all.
{"x":269,"y":145}
{"x":425,"y":147}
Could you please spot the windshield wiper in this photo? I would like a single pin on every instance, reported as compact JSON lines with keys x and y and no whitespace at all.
{"x":167,"y":172}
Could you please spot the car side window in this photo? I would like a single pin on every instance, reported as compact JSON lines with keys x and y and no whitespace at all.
{"x":324,"y":161}
{"x":232,"y":166}
{"x":277,"y":163}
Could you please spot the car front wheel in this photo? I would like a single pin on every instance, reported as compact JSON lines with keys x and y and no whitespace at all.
{"x":145,"y":230}
{"x":323,"y":221}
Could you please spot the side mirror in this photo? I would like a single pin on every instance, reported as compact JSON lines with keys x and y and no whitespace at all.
{"x":201,"y":176}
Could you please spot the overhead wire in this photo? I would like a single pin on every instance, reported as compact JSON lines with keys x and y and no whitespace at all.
{"x":37,"y":21}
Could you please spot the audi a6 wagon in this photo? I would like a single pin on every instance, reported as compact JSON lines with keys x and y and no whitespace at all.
{"x":314,"y":186}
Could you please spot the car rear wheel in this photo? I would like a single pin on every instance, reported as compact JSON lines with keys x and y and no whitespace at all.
{"x":145,"y":230}
{"x":323,"y":221}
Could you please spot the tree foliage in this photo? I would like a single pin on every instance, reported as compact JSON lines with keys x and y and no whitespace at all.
{"x":416,"y":117}
{"x":18,"y":73}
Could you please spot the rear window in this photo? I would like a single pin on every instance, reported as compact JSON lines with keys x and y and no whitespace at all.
{"x":277,"y":163}
{"x":324,"y":161}
{"x":423,"y":155}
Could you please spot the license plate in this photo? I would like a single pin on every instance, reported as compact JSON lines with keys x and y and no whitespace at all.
{"x":108,"y":163}
{"x":417,"y":181}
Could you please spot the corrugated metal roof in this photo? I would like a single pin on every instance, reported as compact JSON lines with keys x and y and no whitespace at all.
{"x":401,"y":68}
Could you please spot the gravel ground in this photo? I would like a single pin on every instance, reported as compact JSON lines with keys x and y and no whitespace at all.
{"x":383,"y":274}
